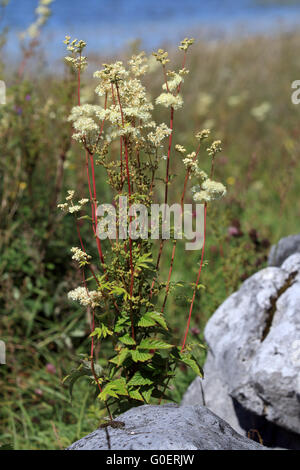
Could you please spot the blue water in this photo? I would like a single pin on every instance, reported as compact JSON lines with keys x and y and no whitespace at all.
{"x":108,"y":25}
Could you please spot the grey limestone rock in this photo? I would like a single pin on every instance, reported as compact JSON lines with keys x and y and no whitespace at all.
{"x":286,"y":247}
{"x":167,"y":427}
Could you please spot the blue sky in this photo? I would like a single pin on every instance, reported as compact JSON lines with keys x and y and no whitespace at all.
{"x":109,"y":24}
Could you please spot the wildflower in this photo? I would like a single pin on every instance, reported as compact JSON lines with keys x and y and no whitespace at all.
{"x":63,"y":207}
{"x":202,"y":196}
{"x":85,"y":120}
{"x":138,"y":64}
{"x":203,"y":134}
{"x":191,"y":165}
{"x":78,"y":61}
{"x":167,"y":99}
{"x":85,"y":297}
{"x":161,"y":132}
{"x":186,"y":43}
{"x":234,"y":231}
{"x":180,"y":148}
{"x":73,"y":209}
{"x":209,"y":190}
{"x":82,"y":202}
{"x":80,"y":256}
{"x":214,"y":148}
{"x":175,"y":81}
{"x":112,"y":73}
{"x":51,"y":368}
{"x":161,"y":56}
{"x":70,"y":195}
{"x":69,"y":205}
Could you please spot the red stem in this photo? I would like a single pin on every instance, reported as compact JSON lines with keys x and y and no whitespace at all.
{"x":129,"y":194}
{"x":197,"y":282}
{"x":188,"y":172}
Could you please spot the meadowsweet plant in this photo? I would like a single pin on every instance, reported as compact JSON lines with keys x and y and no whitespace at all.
{"x":122,"y":288}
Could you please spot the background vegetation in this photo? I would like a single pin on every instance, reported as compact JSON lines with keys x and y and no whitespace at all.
{"x":242,"y":91}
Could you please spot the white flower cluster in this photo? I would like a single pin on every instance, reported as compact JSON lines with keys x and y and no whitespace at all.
{"x":191,"y":164}
{"x":209,"y":191}
{"x":129,"y":91}
{"x":186,"y":43}
{"x":86,"y":119}
{"x":69,"y":205}
{"x":139,"y":64}
{"x":168,"y":99}
{"x":173,"y":84}
{"x":202,"y":135}
{"x":80,"y":256}
{"x":159,"y":134}
{"x":111,"y":73}
{"x":77,"y":60}
{"x":214,"y":148}
{"x":180,"y":149}
{"x":161,"y":56}
{"x":85,"y":297}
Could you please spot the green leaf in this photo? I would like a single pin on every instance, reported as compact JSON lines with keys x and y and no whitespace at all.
{"x":153,"y":344}
{"x":146,"y":321}
{"x":121,"y":323}
{"x":107,"y":392}
{"x":135,"y":394}
{"x":85,"y":217}
{"x":192,"y":364}
{"x":140,"y":356}
{"x":114,"y":389}
{"x":147,"y":392}
{"x":119,"y":385}
{"x":121,"y":356}
{"x":127,"y":339}
{"x":83,"y":370}
{"x":144,"y":261}
{"x":139,"y":379}
{"x":158,"y":317}
{"x":102,"y":331}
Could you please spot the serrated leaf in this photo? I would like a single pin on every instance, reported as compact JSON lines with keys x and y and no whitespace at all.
{"x":120,"y":324}
{"x":159,"y":319}
{"x":102,"y":331}
{"x":127,"y":339}
{"x":119,"y":385}
{"x":139,"y":379}
{"x":121,"y":356}
{"x":107,"y":392}
{"x":192,"y":364}
{"x":135,"y":394}
{"x":114,"y":389}
{"x":140,"y":356}
{"x":153,"y":344}
{"x":146,"y":321}
{"x":147,"y":392}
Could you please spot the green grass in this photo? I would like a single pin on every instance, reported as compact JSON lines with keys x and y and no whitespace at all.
{"x":242,"y":90}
